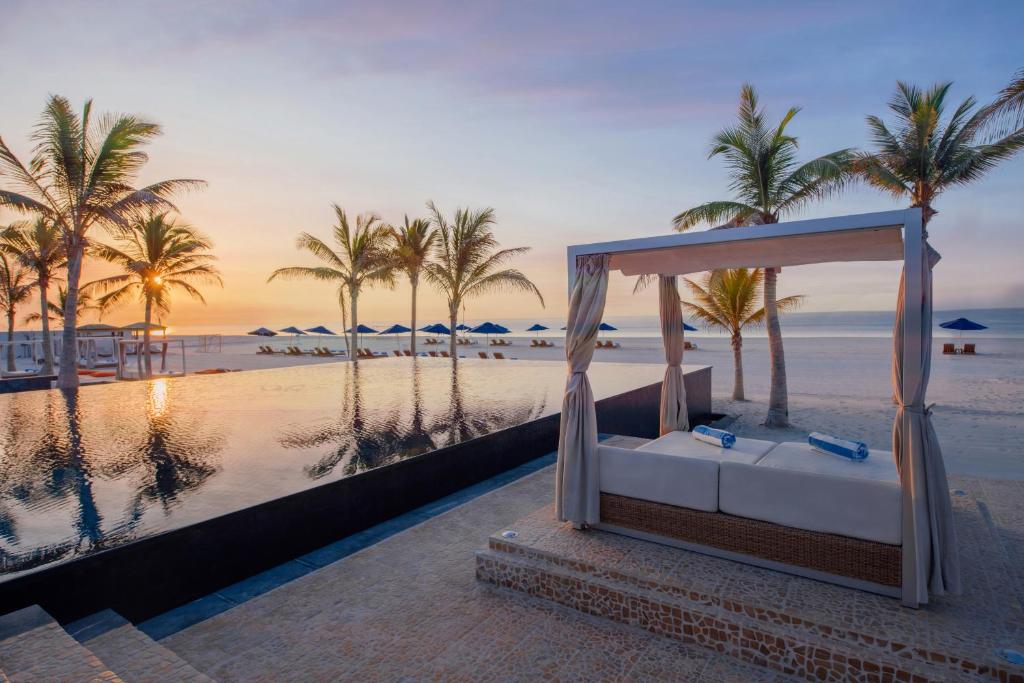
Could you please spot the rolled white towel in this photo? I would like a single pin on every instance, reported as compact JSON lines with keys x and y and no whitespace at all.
{"x":833,"y":445}
{"x":715,"y":437}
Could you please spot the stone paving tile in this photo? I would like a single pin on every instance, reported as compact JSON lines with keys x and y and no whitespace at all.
{"x":47,"y":653}
{"x":410,"y":608}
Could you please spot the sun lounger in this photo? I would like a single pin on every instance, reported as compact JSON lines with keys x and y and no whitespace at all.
{"x":407,"y":352}
{"x":689,"y":346}
{"x":397,"y":353}
{"x":969,"y":349}
{"x":498,"y":355}
{"x":445,"y":354}
{"x":948,"y":348}
{"x":482,"y":354}
{"x":433,"y":354}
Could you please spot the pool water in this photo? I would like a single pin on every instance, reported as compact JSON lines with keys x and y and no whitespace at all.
{"x":99,"y":467}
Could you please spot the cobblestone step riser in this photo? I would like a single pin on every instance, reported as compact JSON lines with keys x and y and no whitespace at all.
{"x":803,"y":654}
{"x":733,"y":610}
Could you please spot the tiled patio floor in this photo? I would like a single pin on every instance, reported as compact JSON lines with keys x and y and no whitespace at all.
{"x":797,"y":625}
{"x":410,"y":608}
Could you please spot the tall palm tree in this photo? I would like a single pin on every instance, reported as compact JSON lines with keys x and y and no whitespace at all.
{"x":364,"y":259}
{"x":413,"y":244}
{"x":768,"y":183}
{"x":15,"y":289}
{"x":81,"y":176}
{"x":1006,"y":113}
{"x":55,"y":310}
{"x":39,"y":247}
{"x":727,"y":300}
{"x":157,"y":256}
{"x":467,"y":262}
{"x":927,"y":152}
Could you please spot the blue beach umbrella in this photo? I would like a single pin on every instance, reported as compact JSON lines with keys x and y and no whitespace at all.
{"x":462,"y":328}
{"x":262,"y":332}
{"x":536,"y":327}
{"x":488,"y":329}
{"x":361,"y":329}
{"x":320,"y":329}
{"x":396,"y":330}
{"x":436,"y":328}
{"x":293,"y":330}
{"x":962,"y":325}
{"x":689,"y":328}
{"x":605,"y":327}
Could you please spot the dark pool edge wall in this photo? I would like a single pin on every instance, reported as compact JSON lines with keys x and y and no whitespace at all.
{"x":155,"y":574}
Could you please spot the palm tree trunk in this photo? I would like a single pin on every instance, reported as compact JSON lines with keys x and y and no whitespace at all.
{"x":354,"y":353}
{"x":737,"y":363}
{"x":11,"y":367}
{"x":413,"y":282}
{"x":67,"y":376}
{"x":778,"y":399}
{"x":344,"y":320}
{"x":146,"y":336}
{"x":453,"y":320}
{"x":44,"y":284}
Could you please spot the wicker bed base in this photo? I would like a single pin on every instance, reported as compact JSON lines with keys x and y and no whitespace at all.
{"x":840,"y":555}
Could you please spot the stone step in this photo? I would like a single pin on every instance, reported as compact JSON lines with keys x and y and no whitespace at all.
{"x":691,"y":618}
{"x":33,"y":647}
{"x":135,"y":656}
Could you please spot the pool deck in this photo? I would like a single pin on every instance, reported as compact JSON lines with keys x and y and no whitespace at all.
{"x":411,"y":608}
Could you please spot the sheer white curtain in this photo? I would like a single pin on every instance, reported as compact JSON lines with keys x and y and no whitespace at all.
{"x":928,"y":530}
{"x":577,"y":483}
{"x":673,"y":415}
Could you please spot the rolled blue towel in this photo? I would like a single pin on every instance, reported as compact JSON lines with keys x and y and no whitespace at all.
{"x":851,"y":450}
{"x":715,"y":437}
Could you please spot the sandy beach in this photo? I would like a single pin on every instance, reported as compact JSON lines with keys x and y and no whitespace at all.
{"x":837,"y":385}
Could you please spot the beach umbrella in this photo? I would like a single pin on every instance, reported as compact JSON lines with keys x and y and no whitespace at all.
{"x":396,"y":330}
{"x":436,"y":328}
{"x":605,"y":327}
{"x":462,"y":327}
{"x":536,"y":327}
{"x":262,"y":332}
{"x":362,"y":329}
{"x":293,"y":330}
{"x":961,"y":325}
{"x":320,"y":329}
{"x":488,"y":329}
{"x":689,"y":328}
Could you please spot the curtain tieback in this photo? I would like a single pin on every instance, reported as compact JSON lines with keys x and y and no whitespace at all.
{"x":919,"y":410}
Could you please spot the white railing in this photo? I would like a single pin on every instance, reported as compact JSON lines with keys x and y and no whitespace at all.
{"x":158,"y":350}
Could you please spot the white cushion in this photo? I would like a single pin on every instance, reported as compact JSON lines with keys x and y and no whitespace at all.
{"x":683,"y":443}
{"x":659,"y":477}
{"x":796,"y":486}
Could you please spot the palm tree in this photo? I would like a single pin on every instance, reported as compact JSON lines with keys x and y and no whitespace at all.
{"x":727,"y":300}
{"x":15,"y":289}
{"x":768,"y":183}
{"x":364,"y":259}
{"x":157,"y":256}
{"x":467,"y":262}
{"x":412,"y":246}
{"x":55,"y":311}
{"x":927,"y":153}
{"x":81,"y":175}
{"x":1006,"y":113}
{"x":39,"y":247}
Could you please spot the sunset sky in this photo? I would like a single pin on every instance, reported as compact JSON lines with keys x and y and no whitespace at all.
{"x":576,"y":121}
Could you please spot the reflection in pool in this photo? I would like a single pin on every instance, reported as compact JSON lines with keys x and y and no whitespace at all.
{"x":95,"y":468}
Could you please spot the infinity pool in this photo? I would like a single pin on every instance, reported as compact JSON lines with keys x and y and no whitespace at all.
{"x":85,"y":471}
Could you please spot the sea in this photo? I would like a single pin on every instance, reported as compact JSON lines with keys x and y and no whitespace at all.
{"x":1002,"y":323}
